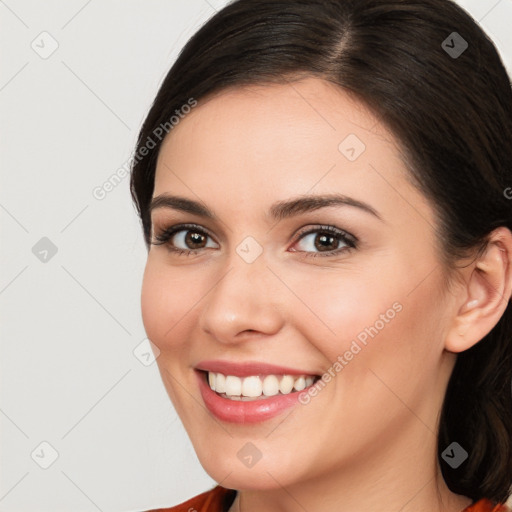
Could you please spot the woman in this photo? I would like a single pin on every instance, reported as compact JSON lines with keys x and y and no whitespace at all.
{"x":322,"y":186}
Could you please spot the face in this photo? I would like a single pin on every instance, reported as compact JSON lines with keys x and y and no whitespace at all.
{"x":272,"y":290}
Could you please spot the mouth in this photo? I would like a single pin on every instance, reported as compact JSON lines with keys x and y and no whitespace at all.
{"x":256,"y":387}
{"x":250,"y":391}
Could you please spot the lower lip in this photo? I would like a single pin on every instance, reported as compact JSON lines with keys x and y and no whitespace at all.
{"x":254,"y":411}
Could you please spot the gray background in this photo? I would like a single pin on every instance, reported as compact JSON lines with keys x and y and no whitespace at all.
{"x":75,"y":383}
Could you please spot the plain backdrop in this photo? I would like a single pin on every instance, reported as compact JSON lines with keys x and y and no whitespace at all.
{"x":85,"y":421}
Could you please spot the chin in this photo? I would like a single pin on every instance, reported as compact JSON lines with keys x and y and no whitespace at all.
{"x":248,"y":479}
{"x":232,"y":473}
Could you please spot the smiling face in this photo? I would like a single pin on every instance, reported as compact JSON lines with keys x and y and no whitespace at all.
{"x":351,"y":288}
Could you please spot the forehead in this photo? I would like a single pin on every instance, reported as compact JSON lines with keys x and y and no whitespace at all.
{"x":276,"y":120}
{"x":263,"y":143}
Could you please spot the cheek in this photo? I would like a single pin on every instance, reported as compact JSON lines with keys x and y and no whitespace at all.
{"x":168,"y":297}
{"x":403,"y":341}
{"x":338,"y":309}
{"x":373,"y":318}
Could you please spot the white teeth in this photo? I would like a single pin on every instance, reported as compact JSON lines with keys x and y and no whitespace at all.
{"x":254,"y":386}
{"x":220,"y":382}
{"x":270,"y":385}
{"x":286,"y":384}
{"x":211,"y":381}
{"x":233,"y":385}
{"x":300,"y":384}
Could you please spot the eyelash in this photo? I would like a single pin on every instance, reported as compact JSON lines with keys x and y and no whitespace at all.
{"x":351,"y":241}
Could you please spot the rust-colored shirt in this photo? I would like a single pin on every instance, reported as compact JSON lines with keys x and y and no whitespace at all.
{"x":219,"y":499}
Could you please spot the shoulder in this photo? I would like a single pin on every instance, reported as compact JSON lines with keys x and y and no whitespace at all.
{"x":217,"y":499}
{"x":485,"y":505}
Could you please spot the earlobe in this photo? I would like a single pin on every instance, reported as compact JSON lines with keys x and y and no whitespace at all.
{"x":485,"y":295}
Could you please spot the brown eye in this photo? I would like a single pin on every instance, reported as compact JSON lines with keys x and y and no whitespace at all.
{"x":327,"y":240}
{"x":193,"y":239}
{"x":183,"y":238}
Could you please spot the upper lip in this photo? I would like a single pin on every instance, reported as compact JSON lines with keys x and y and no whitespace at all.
{"x":248,"y":368}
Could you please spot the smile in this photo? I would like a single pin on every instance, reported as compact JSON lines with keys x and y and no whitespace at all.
{"x":257,"y":387}
{"x":250,"y":392}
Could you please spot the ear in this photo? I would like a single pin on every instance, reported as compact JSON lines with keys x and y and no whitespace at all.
{"x":485,"y":294}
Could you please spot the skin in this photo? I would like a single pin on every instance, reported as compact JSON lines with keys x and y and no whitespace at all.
{"x":367,"y":441}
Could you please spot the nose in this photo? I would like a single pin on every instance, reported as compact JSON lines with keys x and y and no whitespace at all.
{"x":244,"y":302}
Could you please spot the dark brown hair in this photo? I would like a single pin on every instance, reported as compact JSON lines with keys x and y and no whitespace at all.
{"x":449,"y":106}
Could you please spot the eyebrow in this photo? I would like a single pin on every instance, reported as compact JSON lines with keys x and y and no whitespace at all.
{"x":278,"y":211}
